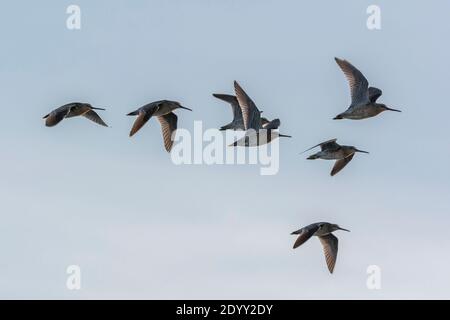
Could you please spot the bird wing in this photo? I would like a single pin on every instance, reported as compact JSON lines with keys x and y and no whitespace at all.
{"x":330,"y":145}
{"x":330,"y":249}
{"x":304,"y":234}
{"x":250,"y":139}
{"x":340,"y":164}
{"x":274,"y":124}
{"x":142,"y":119}
{"x":168,"y":126}
{"x":325,"y":145}
{"x":242,"y":142}
{"x":374,"y":94}
{"x":56,"y":116}
{"x":93,"y":116}
{"x":264,"y":122}
{"x":358,"y":83}
{"x":232,"y":100}
{"x":250,"y":113}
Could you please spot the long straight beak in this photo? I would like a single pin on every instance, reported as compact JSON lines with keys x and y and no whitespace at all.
{"x":362,"y":151}
{"x":284,"y":136}
{"x":97,"y":108}
{"x":390,"y":109}
{"x":185,"y":108}
{"x":344,"y":229}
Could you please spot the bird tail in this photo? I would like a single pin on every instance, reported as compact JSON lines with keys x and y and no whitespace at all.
{"x":134,"y":113}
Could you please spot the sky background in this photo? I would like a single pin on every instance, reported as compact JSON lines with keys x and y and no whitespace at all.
{"x":141,"y":227}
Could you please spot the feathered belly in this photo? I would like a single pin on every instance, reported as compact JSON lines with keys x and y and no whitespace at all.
{"x":361,"y":113}
{"x":331,"y":155}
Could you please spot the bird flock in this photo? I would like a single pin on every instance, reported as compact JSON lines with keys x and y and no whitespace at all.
{"x":258,"y":131}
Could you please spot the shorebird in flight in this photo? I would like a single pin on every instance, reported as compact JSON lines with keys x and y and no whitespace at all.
{"x":163,"y":111}
{"x":259,"y":130}
{"x":329,"y":242}
{"x":364,"y":98}
{"x":72,"y":110}
{"x":331,"y":150}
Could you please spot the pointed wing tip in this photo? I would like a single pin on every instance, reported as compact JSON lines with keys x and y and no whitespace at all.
{"x":331,"y":268}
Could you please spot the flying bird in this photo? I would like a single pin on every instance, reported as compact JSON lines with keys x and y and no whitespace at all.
{"x":329,"y":242}
{"x":72,"y":110}
{"x":331,"y":150}
{"x":363,"y":97}
{"x":163,"y":111}
{"x":259,"y":130}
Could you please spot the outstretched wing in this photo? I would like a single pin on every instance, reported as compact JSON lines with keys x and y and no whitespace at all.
{"x":56,"y":116}
{"x":250,"y":113}
{"x":250,"y":139}
{"x":374,"y":94}
{"x":264,"y":122}
{"x":232,"y":100}
{"x":274,"y":124}
{"x":340,"y":164}
{"x":329,"y":144}
{"x":330,"y":249}
{"x":142,"y":119}
{"x":304,"y":234}
{"x":93,"y":116}
{"x":358,"y":83}
{"x":168,"y":126}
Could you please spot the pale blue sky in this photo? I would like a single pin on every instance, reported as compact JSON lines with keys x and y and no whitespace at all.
{"x":140,"y":227}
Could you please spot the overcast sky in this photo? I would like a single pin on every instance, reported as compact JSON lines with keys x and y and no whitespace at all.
{"x":141,"y":227}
